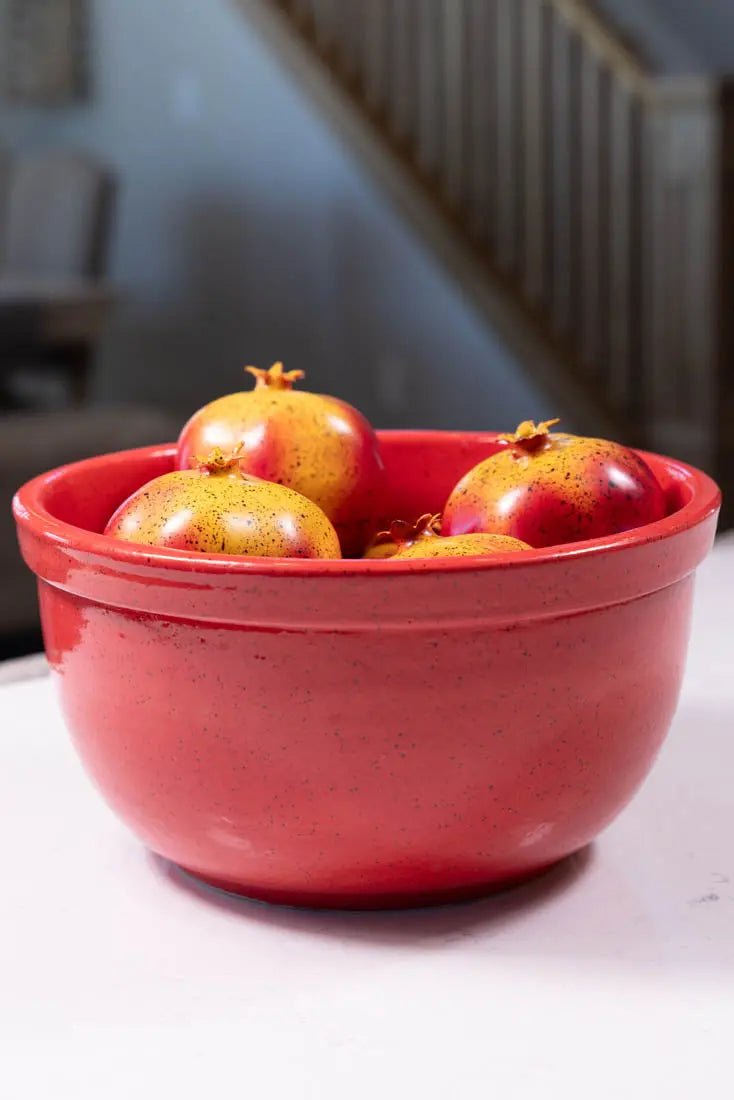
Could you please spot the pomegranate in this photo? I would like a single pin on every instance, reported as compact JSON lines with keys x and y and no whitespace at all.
{"x":217,"y":509}
{"x":316,"y":444}
{"x":386,"y":544}
{"x":461,"y":546}
{"x":423,"y":539}
{"x":548,"y":487}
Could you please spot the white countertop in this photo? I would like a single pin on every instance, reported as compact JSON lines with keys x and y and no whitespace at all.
{"x":611,"y":977}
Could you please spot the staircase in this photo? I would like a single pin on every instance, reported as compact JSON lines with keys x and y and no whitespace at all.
{"x":577,"y":189}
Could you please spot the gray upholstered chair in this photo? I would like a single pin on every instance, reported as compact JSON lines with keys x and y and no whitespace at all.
{"x":56,"y":212}
{"x":31,"y":443}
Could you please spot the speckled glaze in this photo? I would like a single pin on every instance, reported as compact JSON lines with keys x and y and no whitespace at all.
{"x":549,"y":488}
{"x":216,"y":509}
{"x":316,"y":444}
{"x":364,"y":733}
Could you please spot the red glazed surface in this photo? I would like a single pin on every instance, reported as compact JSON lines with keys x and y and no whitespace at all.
{"x":364,"y":733}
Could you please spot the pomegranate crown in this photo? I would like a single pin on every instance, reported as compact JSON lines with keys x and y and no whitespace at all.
{"x":275,"y":378}
{"x":529,"y":436}
{"x":402,"y":532}
{"x":218,"y":461}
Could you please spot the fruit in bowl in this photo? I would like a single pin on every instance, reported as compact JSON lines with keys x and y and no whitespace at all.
{"x":401,"y":534}
{"x":423,"y":539}
{"x":548,"y":488}
{"x":461,"y":546}
{"x":364,"y":733}
{"x":215,"y":508}
{"x":318,"y":445}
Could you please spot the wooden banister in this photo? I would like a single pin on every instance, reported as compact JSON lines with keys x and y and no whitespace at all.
{"x":574,"y":188}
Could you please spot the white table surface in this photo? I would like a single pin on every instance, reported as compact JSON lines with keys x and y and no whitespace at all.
{"x":612,"y":977}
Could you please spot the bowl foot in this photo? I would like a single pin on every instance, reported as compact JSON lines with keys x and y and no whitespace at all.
{"x":364,"y":901}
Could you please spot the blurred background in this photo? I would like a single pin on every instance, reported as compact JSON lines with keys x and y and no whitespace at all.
{"x":453,"y":213}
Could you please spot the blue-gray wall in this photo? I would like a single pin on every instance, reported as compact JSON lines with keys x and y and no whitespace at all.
{"x":681,"y":36}
{"x":246,"y":233}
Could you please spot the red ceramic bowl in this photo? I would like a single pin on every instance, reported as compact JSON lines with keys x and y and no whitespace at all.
{"x":364,"y":733}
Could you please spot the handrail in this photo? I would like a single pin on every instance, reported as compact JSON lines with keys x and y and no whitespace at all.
{"x":580,"y":179}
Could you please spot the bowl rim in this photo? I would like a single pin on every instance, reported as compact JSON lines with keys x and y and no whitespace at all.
{"x":32,"y":515}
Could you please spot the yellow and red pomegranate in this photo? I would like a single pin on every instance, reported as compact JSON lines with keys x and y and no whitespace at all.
{"x":423,"y":539}
{"x":547,"y":488}
{"x":402,"y":534}
{"x":461,"y":546}
{"x":313,"y":443}
{"x":215,"y":508}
